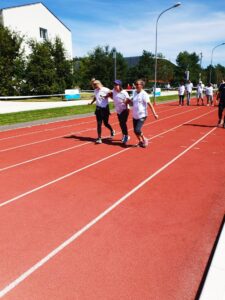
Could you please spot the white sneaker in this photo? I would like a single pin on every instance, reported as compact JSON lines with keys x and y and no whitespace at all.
{"x":98,"y":141}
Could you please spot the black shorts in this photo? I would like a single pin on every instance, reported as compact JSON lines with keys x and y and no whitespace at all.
{"x":102,"y":112}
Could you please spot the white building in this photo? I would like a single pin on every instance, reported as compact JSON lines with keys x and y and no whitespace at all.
{"x":36,"y":21}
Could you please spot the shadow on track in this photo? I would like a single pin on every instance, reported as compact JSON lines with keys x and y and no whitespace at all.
{"x":200,"y":125}
{"x":107,"y":141}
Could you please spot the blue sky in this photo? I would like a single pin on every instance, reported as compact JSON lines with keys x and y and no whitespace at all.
{"x":195,"y":26}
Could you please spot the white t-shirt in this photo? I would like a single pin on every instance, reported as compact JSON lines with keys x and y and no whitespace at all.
{"x":140,"y":104}
{"x":189,"y":87}
{"x":101,"y":96}
{"x":119,"y":99}
{"x":209,"y":90}
{"x":181,"y":90}
{"x":200,"y":88}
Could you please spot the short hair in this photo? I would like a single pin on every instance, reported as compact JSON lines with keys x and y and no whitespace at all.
{"x":142,"y":82}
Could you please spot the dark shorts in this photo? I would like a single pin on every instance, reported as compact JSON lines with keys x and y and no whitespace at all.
{"x":102,"y":112}
{"x":138,"y":125}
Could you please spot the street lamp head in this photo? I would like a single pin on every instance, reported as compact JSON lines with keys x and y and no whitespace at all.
{"x":177,"y":4}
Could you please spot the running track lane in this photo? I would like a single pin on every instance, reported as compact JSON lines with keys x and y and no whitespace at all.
{"x":50,"y":168}
{"x":125,"y":162}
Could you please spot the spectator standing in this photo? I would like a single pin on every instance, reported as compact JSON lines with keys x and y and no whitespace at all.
{"x":209,"y":94}
{"x":188,"y":88}
{"x":200,"y":90}
{"x":181,"y":91}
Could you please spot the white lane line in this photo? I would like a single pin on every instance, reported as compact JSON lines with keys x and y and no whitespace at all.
{"x":44,"y":260}
{"x":214,"y":287}
{"x":81,"y":169}
{"x":94,"y":128}
{"x":59,"y":127}
{"x":43,"y":141}
{"x":45,"y":130}
{"x":80,"y":145}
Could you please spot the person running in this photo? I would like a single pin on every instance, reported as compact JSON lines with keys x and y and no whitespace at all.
{"x":200,"y":89}
{"x":188,"y":88}
{"x":140,"y":102}
{"x":221,"y":105}
{"x":209,"y":94}
{"x":120,"y":98}
{"x":102,"y":109}
{"x":181,"y":90}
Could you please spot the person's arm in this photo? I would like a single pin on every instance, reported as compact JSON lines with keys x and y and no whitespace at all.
{"x":94,"y":99}
{"x":153,"y":110}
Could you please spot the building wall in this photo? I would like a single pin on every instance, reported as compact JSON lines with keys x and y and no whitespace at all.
{"x":28,"y":19}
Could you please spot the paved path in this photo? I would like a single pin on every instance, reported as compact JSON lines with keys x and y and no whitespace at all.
{"x":17,"y":106}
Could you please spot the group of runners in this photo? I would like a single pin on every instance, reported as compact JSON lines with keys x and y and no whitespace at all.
{"x":139,"y":101}
{"x":186,"y":89}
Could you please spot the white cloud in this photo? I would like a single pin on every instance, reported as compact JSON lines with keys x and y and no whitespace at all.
{"x":191,"y":28}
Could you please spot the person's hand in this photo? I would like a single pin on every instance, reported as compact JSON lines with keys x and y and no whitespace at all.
{"x":156,"y":116}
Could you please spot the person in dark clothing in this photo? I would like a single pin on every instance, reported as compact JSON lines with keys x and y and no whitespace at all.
{"x":221,"y":105}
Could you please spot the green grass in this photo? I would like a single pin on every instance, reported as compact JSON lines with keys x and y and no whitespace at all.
{"x":29,"y":116}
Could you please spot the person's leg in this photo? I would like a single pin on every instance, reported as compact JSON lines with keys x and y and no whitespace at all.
{"x":220,"y":112}
{"x":105,"y":117}
{"x":188,"y":98}
{"x":99,"y":125}
{"x":123,"y":116}
{"x":182,"y":100}
{"x":138,"y":124}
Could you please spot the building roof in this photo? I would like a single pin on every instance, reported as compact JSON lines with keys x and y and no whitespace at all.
{"x":35,"y":3}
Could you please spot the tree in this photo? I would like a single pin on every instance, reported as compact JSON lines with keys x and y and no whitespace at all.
{"x":188,"y":61}
{"x":48,"y":71}
{"x":99,"y":64}
{"x":12,"y":63}
{"x":63,"y":67}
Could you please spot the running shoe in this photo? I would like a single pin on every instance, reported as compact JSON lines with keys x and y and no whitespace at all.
{"x":145,"y":143}
{"x":126,"y":139}
{"x":98,"y":141}
{"x":113,"y":133}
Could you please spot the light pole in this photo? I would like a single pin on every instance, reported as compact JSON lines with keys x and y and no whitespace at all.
{"x":156,"y":37}
{"x":200,"y":74}
{"x":210,"y":73}
{"x":114,"y":56}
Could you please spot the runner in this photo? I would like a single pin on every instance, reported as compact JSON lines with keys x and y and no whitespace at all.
{"x":120,"y":98}
{"x":221,"y":106}
{"x":140,"y":104}
{"x":102,"y":109}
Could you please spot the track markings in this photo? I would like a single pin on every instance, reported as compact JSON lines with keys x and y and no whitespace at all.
{"x":83,"y":168}
{"x":77,"y":234}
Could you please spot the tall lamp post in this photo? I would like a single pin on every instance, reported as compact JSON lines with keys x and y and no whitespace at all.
{"x":210,"y":73}
{"x":200,"y":74}
{"x":156,"y":38}
{"x":114,"y":56}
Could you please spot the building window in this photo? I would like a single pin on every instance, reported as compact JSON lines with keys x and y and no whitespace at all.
{"x":43,"y":33}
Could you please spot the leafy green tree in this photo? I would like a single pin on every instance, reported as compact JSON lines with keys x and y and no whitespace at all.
{"x":99,"y":64}
{"x":12,"y":63}
{"x":188,"y":61}
{"x":63,"y":67}
{"x":41,"y":72}
{"x":48,"y":71}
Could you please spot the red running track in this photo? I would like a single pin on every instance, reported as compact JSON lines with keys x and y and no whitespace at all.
{"x":86,"y":221}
